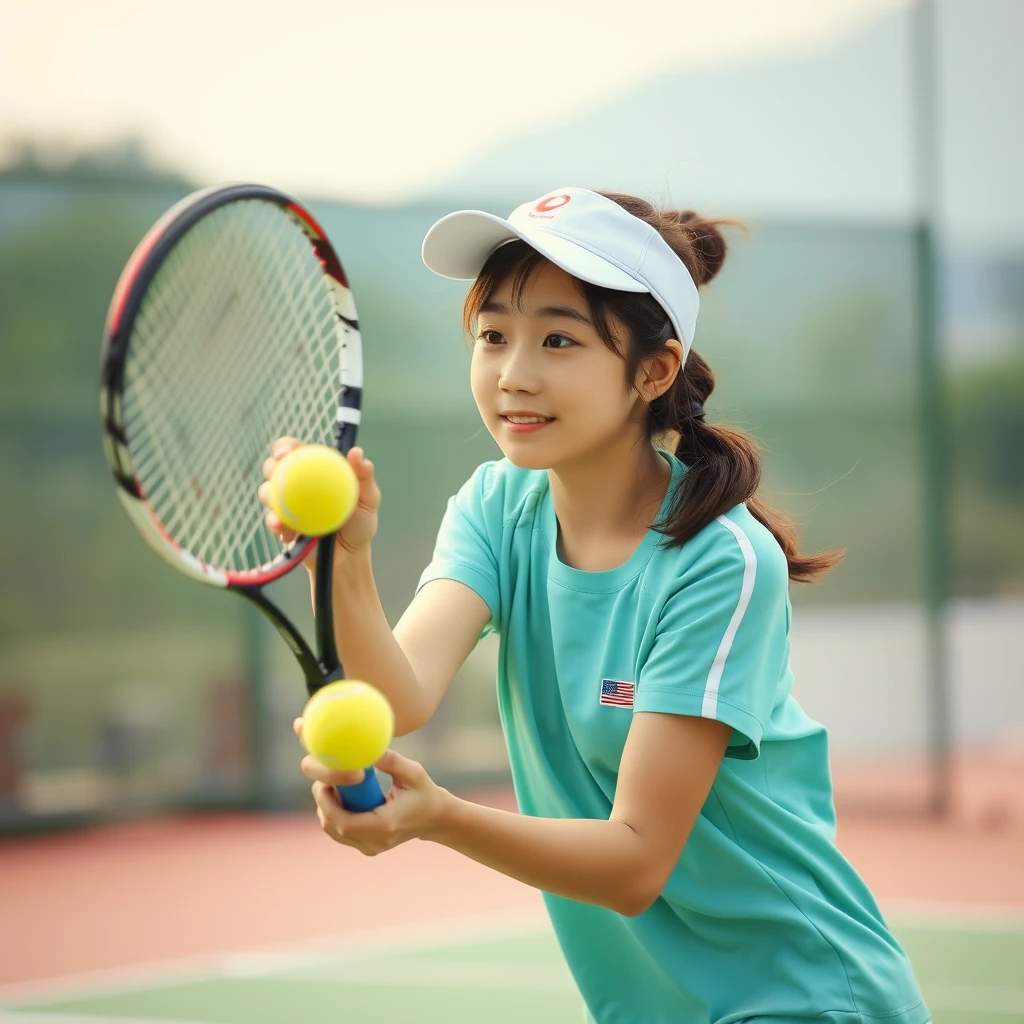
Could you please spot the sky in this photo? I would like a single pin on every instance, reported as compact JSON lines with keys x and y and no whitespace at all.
{"x":370,"y":102}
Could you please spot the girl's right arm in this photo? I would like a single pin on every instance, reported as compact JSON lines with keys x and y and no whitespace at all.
{"x":413,"y":665}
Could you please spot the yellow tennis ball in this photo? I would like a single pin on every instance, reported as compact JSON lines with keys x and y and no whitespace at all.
{"x":347,"y":725}
{"x":313,"y":490}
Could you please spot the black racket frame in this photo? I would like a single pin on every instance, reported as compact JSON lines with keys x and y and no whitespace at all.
{"x":324,"y":666}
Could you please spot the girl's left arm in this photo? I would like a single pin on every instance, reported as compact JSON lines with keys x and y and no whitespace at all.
{"x":665,"y":774}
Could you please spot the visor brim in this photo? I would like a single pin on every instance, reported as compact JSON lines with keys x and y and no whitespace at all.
{"x":459,"y":245}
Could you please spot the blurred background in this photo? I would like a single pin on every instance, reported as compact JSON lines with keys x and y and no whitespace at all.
{"x":870,"y":332}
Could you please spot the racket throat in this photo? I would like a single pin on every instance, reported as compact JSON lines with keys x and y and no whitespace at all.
{"x":323,"y":584}
{"x":311,"y":666}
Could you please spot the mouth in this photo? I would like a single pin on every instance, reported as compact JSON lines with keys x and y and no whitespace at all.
{"x":525,"y":423}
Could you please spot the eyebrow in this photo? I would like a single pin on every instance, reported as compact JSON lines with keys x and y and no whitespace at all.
{"x":566,"y":312}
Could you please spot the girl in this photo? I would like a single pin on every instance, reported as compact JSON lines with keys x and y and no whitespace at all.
{"x":676,"y":801}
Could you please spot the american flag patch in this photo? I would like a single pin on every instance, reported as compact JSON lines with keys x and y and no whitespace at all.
{"x":616,"y":693}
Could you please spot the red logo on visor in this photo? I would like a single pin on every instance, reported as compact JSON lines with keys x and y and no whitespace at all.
{"x":543,"y":210}
{"x":551,"y":203}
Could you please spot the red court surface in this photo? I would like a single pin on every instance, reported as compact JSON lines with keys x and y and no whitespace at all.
{"x":141,"y":892}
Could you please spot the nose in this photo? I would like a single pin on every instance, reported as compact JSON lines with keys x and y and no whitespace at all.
{"x":517,"y":372}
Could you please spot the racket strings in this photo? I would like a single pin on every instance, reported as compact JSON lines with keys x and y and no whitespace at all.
{"x":210,"y":371}
{"x":230,"y":411}
{"x":175,"y":318}
{"x":236,"y":343}
{"x":198,"y":320}
{"x":242,"y":411}
{"x":167,"y":322}
{"x":218,"y":364}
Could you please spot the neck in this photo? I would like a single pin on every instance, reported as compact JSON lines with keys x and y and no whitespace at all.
{"x":609,"y":499}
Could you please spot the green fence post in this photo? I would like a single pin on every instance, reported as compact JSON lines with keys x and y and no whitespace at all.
{"x":936,"y":451}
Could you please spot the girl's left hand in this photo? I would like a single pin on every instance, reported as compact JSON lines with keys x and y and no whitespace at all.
{"x":412,"y":810}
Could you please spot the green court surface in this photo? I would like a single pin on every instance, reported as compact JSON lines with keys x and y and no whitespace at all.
{"x":972,"y":972}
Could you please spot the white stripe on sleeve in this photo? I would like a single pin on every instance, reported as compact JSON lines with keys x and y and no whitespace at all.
{"x":709,"y":708}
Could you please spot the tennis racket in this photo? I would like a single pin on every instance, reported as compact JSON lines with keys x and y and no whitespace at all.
{"x":232,"y":324}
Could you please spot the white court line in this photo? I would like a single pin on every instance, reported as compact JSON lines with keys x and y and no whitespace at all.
{"x":310,"y":952}
{"x":953,"y":917}
{"x":464,"y":974}
{"x":337,"y":950}
{"x":13,"y":1017}
{"x":388,"y":942}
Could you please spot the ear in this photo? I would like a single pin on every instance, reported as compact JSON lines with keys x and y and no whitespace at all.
{"x":657,"y":374}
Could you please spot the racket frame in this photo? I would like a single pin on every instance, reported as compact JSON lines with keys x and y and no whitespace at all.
{"x":318,"y":668}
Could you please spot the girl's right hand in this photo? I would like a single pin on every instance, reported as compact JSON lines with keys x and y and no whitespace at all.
{"x":356,"y":532}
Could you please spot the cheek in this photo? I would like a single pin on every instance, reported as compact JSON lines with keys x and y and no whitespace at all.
{"x":597,"y":389}
{"x":480,"y":382}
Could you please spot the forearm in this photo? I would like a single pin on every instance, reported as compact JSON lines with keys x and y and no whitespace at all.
{"x":589,"y":860}
{"x":366,"y":644}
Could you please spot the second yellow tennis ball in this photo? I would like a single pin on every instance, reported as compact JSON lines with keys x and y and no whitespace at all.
{"x":347,"y":725}
{"x":313,"y":490}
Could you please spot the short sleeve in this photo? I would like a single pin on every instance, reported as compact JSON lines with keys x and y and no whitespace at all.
{"x":722,"y":642}
{"x":464,"y":549}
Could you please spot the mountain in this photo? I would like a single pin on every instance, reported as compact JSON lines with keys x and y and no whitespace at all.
{"x":817,"y":134}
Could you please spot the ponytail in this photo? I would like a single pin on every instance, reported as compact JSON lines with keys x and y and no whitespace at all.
{"x":723,"y":470}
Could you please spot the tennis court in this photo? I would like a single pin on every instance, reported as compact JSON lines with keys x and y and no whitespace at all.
{"x":259,"y":918}
{"x":970,"y":968}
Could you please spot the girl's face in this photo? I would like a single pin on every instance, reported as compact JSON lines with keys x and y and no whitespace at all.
{"x":547,"y":362}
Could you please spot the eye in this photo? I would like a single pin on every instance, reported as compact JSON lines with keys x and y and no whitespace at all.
{"x":490,"y":337}
{"x":558,"y":338}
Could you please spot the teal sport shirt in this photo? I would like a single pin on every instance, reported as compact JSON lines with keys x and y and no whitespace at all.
{"x":762,"y":919}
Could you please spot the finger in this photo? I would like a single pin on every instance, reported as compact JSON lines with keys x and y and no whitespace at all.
{"x":398,"y":767}
{"x":329,"y":811}
{"x":283,"y":445}
{"x":361,"y":464}
{"x":275,"y":526}
{"x":314,"y":769}
{"x":327,"y":800}
{"x":347,"y":827}
{"x":263,"y":493}
{"x":335,"y":818}
{"x":369,"y":491}
{"x":297,"y":727}
{"x":269,"y":464}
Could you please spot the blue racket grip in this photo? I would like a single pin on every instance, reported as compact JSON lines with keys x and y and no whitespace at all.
{"x":364,"y":796}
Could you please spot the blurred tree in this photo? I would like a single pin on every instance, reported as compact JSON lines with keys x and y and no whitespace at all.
{"x":55,"y":283}
{"x":988,"y":416}
{"x":124,"y":161}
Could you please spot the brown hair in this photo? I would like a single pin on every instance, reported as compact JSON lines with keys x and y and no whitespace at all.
{"x":723,"y":464}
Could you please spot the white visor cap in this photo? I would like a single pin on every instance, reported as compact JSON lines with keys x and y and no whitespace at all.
{"x":587,"y":235}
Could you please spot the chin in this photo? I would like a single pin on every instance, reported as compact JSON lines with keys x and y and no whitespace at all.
{"x":521,"y":457}
{"x":526,"y":460}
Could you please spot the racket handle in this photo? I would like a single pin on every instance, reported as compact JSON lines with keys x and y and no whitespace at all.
{"x":364,"y":796}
